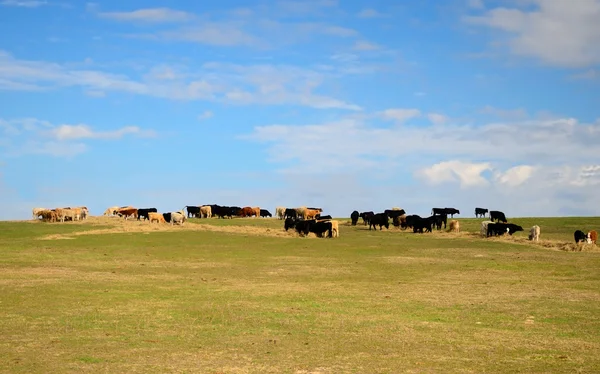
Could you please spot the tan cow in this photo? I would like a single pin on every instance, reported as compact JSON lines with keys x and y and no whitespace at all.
{"x":158,"y":217}
{"x":48,"y":215}
{"x":206,"y":211}
{"x":534,"y":233}
{"x":455,"y":226}
{"x":280,"y":212}
{"x":37,"y":212}
{"x":311,"y":213}
{"x":256,"y":211}
{"x":335,"y":229}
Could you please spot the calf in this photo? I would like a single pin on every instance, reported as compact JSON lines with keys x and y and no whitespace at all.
{"x":153,"y":216}
{"x":399,"y":221}
{"x":480,"y":212}
{"x":144,"y":213}
{"x":593,"y":236}
{"x":579,"y":236}
{"x":354,"y":217}
{"x":265,"y":213}
{"x":534,"y":233}
{"x":379,"y":219}
{"x":496,"y":215}
{"x":454,"y":226}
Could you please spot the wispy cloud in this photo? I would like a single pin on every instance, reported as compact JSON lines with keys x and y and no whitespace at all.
{"x":399,"y":115}
{"x":23,"y":3}
{"x":149,"y":15}
{"x":205,"y":115}
{"x":363,"y":45}
{"x":557,"y":33}
{"x":34,"y":136}
{"x":369,"y":13}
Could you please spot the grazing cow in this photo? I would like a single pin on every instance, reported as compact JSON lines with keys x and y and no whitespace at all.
{"x":257,"y":212}
{"x":280,"y":212}
{"x":454,"y":226}
{"x":289,"y":223}
{"x":579,"y":236}
{"x":335,"y":229}
{"x":265,"y":213}
{"x":484,"y":227}
{"x":366,"y":216}
{"x":300,"y":211}
{"x":480,"y":212}
{"x":410,"y":221}
{"x":593,"y":236}
{"x":400,"y":221}
{"x":379,"y":219}
{"x":144,"y":213}
{"x":303,"y":227}
{"x":290,"y":213}
{"x":48,"y":215}
{"x":37,"y":212}
{"x":494,"y":229}
{"x":534,"y":233}
{"x":154,"y":216}
{"x":354,"y":217}
{"x":246,"y":212}
{"x":419,"y":224}
{"x":127,"y":212}
{"x":451,"y":212}
{"x":192,"y":211}
{"x":178,"y":217}
{"x":496,"y":215}
{"x":167,"y":217}
{"x":205,"y":211}
{"x":439,"y":219}
{"x":435,"y":211}
{"x":110,"y":211}
{"x":393,"y":213}
{"x":311,"y":213}
{"x":322,"y":218}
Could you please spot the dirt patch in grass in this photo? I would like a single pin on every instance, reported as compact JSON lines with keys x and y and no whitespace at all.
{"x":120,"y":226}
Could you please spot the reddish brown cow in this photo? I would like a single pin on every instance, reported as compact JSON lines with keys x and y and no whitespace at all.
{"x":126,"y":212}
{"x":246,"y":212}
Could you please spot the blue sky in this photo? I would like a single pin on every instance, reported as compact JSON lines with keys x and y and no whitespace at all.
{"x":339,"y":104}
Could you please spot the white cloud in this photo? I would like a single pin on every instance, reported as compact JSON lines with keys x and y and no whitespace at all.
{"x":23,"y":3}
{"x":507,"y":114}
{"x":437,"y":119}
{"x":515,"y":176}
{"x":559,"y":33}
{"x":33,"y":136}
{"x":475,"y":4}
{"x":363,"y":45}
{"x":150,"y":15}
{"x":590,"y":74}
{"x":369,"y":13}
{"x":468,"y":174}
{"x":400,"y":115}
{"x":205,"y":115}
{"x":219,"y":82}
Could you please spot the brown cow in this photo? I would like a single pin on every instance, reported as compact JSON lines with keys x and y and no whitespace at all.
{"x":256,"y":211}
{"x":127,"y":212}
{"x":593,"y":235}
{"x":247,"y":212}
{"x":311,"y":213}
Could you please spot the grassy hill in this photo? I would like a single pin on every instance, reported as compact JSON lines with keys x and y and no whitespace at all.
{"x":244,"y":296}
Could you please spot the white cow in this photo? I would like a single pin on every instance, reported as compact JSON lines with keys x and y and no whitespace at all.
{"x":178,"y":217}
{"x":534,"y":233}
{"x":37,"y":211}
{"x":484,"y":226}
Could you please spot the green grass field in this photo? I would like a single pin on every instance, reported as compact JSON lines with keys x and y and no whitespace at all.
{"x":242,"y":296}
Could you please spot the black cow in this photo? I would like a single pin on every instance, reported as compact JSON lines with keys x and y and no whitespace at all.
{"x":438,"y":220}
{"x":354,"y":217}
{"x":303,"y":227}
{"x":289,"y":223}
{"x":366,"y":216}
{"x":496,"y":215}
{"x":394,"y":213}
{"x":495,"y":229}
{"x":321,"y":218}
{"x":451,"y":211}
{"x":192,"y":210}
{"x":480,"y":212}
{"x":418,"y":224}
{"x":167,"y":217}
{"x":290,"y":213}
{"x":410,"y":220}
{"x":234,"y":211}
{"x":265,"y":213}
{"x":580,"y":236}
{"x":144,"y":213}
{"x":379,"y":219}
{"x":438,"y":210}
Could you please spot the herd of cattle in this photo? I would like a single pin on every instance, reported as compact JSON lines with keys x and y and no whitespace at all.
{"x":307,"y":220}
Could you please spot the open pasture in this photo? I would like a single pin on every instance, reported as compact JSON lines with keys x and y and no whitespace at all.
{"x":244,"y":296}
